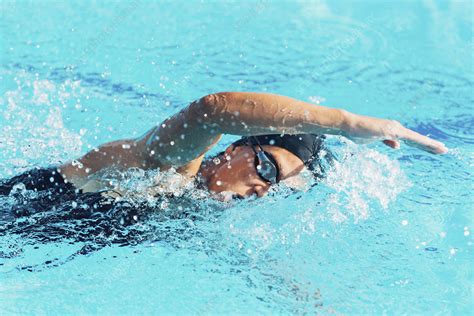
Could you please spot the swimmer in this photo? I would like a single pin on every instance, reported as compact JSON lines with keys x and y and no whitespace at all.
{"x":281,"y":137}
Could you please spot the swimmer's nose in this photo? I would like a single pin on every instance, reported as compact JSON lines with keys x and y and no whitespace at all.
{"x":260,"y":191}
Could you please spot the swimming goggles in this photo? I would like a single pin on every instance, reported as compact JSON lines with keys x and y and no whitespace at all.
{"x":265,"y":163}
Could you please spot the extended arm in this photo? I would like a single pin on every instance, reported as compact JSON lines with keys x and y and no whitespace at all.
{"x":194,"y":130}
{"x":190,"y":133}
{"x":182,"y":140}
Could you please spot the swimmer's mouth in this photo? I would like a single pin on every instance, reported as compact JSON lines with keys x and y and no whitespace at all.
{"x":227,"y":196}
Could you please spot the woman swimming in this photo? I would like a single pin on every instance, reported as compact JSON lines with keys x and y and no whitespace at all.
{"x":286,"y":142}
{"x":281,"y":137}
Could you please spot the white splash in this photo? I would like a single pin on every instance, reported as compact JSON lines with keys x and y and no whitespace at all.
{"x":360,"y":179}
{"x":34,"y":128}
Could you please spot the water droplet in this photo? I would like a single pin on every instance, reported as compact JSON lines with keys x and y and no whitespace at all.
{"x":466,"y":233}
{"x":51,"y":179}
{"x":172,"y":143}
{"x":404,"y":222}
{"x":219,"y":182}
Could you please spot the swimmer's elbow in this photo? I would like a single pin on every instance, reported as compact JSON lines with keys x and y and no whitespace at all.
{"x":211,"y":103}
{"x":210,"y":111}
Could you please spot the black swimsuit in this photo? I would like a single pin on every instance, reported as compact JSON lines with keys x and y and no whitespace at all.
{"x":39,"y":207}
{"x":37,"y":180}
{"x":52,"y":191}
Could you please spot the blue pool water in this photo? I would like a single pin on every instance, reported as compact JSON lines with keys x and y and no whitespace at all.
{"x":388,"y":232}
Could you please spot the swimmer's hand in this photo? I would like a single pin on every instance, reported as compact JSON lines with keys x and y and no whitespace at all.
{"x":364,"y":129}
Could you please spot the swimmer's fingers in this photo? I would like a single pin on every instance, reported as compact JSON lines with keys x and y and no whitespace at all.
{"x":425,"y":143}
{"x":395,"y":144}
{"x":362,"y":129}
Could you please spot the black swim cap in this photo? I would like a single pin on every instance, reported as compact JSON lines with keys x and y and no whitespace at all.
{"x":310,"y":148}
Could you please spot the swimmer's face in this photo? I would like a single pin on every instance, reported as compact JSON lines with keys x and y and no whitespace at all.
{"x":234,"y":172}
